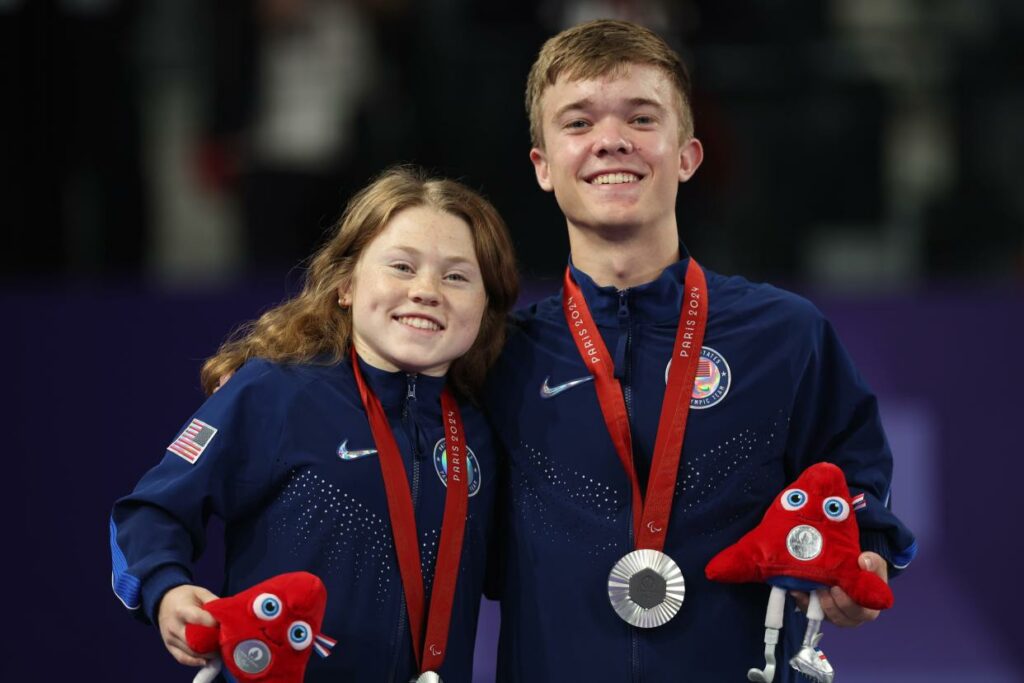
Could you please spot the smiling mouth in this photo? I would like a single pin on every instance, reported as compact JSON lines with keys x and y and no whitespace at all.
{"x":419,"y":323}
{"x":614,"y":179}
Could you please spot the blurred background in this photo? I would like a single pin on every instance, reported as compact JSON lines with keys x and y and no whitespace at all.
{"x":166,"y":165}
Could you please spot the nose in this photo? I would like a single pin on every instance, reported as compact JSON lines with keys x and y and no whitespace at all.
{"x":612,"y":139}
{"x":423,"y":290}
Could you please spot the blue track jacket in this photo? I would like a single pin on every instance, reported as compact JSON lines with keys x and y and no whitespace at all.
{"x":292,"y":471}
{"x":778,"y":394}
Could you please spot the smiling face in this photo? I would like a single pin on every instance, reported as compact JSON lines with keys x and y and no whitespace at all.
{"x":417,"y":295}
{"x":612,"y":152}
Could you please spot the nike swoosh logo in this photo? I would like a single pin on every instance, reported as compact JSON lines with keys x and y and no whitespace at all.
{"x":549,"y":391}
{"x":345,"y":454}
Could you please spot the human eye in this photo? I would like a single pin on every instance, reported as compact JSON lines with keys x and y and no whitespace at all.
{"x":644,"y":120}
{"x":456,"y":277}
{"x":576,"y":125}
{"x":401,"y":267}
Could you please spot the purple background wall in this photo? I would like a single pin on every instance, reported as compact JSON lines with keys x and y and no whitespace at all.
{"x":102,"y":376}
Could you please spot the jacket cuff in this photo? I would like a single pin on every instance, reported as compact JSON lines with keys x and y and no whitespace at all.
{"x":158,"y":583}
{"x":878,"y":542}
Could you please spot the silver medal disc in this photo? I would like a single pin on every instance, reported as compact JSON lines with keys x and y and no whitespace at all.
{"x":252,"y":656}
{"x":646,"y":588}
{"x":427,"y":677}
{"x":804,"y":542}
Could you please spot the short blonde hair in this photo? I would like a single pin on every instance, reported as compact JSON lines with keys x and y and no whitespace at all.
{"x":598,"y":48}
{"x":313,"y":326}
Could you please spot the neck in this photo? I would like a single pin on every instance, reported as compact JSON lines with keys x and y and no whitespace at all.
{"x":623,"y":260}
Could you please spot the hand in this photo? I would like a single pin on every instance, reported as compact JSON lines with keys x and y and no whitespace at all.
{"x":222,"y":381}
{"x":839,"y":607}
{"x":183,"y":605}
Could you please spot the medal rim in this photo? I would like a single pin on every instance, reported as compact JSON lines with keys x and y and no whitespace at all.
{"x":618,"y":588}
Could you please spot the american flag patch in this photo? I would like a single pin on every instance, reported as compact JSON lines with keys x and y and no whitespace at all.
{"x":858,"y":502}
{"x":193,"y":441}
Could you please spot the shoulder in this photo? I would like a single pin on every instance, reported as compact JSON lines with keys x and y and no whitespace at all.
{"x":273,"y":384}
{"x":733,"y":296}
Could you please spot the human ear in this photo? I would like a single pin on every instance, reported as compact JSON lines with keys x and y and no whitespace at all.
{"x":691,"y":155}
{"x":541,"y":168}
{"x":345,"y":294}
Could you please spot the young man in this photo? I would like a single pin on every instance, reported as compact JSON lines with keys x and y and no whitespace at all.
{"x":578,"y":395}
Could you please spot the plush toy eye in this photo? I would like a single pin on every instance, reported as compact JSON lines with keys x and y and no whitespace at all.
{"x":836,"y":509}
{"x":794,"y":499}
{"x":267,"y":606}
{"x":300,"y":635}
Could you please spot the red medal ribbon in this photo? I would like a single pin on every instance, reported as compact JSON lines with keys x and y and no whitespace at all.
{"x":429,"y":644}
{"x":651,"y":513}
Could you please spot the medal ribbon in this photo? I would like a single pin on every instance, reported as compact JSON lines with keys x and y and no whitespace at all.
{"x":429,"y":645}
{"x":651,"y":513}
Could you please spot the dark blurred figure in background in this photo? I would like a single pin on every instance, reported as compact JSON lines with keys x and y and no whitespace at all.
{"x":288,"y":102}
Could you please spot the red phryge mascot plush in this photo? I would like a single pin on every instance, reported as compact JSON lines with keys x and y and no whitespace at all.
{"x":808,"y":539}
{"x":265,"y":633}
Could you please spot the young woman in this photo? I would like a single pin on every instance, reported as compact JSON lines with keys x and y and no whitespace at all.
{"x":347,"y":445}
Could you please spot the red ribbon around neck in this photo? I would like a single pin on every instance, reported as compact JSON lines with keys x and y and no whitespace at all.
{"x":428,"y":644}
{"x":650,"y":513}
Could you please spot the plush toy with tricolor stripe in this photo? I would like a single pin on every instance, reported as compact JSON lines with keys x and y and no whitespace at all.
{"x":808,"y":539}
{"x":265,"y":633}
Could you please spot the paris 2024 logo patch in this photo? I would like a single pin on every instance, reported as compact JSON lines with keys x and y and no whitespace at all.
{"x":712,"y":381}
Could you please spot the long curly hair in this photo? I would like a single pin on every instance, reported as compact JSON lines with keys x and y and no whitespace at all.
{"x":312,"y":327}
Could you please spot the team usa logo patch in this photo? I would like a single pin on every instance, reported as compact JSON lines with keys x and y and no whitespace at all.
{"x":191,"y":443}
{"x":441,"y":467}
{"x":712,"y":381}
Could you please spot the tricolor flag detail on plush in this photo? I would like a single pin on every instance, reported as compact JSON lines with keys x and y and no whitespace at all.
{"x":858,"y":502}
{"x":323,"y":645}
{"x":191,"y":443}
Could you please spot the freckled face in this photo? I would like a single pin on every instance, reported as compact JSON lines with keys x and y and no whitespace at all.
{"x":612,"y":153}
{"x":417,"y":294}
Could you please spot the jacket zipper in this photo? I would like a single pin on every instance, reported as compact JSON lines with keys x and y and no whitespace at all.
{"x":409,"y":416}
{"x":623,"y":374}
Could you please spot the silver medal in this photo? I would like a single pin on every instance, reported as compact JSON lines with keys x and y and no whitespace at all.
{"x":646,"y":588}
{"x":252,"y":656}
{"x":427,"y":677}
{"x":804,"y":542}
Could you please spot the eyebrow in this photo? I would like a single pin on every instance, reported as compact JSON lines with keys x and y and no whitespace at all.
{"x":586,"y":103}
{"x":413,"y":251}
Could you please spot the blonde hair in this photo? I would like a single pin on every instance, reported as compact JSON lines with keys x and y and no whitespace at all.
{"x":312,"y":325}
{"x":599,"y":48}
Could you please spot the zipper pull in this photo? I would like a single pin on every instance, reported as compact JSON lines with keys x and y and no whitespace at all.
{"x":411,"y":414}
{"x":619,"y":359}
{"x":410,"y":387}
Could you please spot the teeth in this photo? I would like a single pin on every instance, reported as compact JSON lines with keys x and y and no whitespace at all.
{"x":418,"y":323}
{"x":615,"y":179}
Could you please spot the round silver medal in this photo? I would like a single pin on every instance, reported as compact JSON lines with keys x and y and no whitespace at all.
{"x":804,"y":542}
{"x":646,"y":588}
{"x":427,"y":677}
{"x":252,"y":656}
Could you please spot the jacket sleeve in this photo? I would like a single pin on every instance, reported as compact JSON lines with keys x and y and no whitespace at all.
{"x":835,"y":418}
{"x":212,"y":467}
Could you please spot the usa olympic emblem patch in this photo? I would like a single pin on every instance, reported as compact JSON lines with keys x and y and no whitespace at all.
{"x":441,"y":467}
{"x":712,"y":381}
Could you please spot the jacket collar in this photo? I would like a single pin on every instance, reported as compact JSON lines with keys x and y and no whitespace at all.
{"x":392,"y":388}
{"x":653,"y":302}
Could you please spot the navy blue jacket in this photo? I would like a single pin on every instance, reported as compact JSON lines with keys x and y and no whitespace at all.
{"x":274,"y":473}
{"x":779,"y":394}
